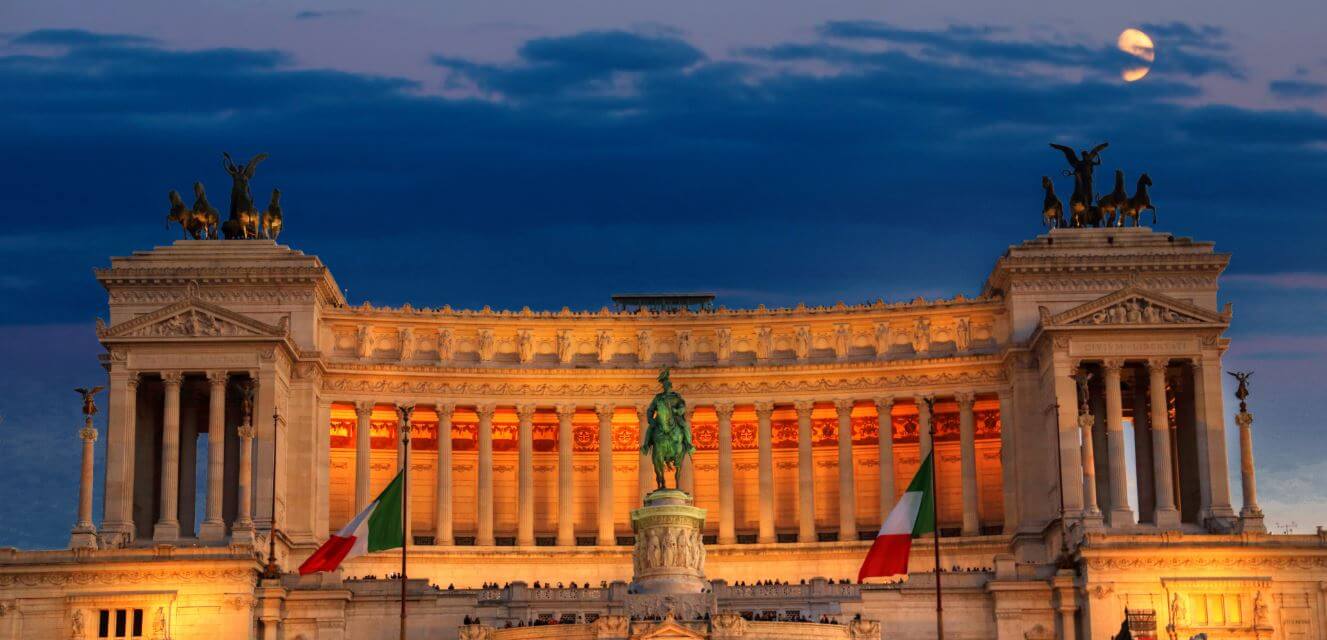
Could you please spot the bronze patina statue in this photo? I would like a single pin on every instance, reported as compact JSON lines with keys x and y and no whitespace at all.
{"x":89,"y":404}
{"x":243,"y":220}
{"x":1081,"y":203}
{"x":668,"y":436}
{"x":1242,"y":392}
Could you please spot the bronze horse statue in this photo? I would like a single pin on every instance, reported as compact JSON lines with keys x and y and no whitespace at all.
{"x":272,"y":217}
{"x":1111,"y":203}
{"x":1140,"y":201}
{"x":179,"y":213}
{"x":1052,"y":210}
{"x":205,"y":215}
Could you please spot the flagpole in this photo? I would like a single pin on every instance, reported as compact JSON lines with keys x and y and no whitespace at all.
{"x":405,"y":412}
{"x":935,"y":524}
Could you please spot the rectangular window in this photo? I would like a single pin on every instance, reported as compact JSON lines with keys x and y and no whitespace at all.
{"x":120,"y":624}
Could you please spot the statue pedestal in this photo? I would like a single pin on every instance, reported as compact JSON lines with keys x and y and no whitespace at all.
{"x":668,"y":562}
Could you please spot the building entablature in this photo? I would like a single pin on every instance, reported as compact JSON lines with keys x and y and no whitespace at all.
{"x":700,"y":340}
{"x":820,"y":382}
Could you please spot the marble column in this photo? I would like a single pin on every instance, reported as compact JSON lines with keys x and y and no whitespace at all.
{"x":884,"y":408}
{"x":727,"y":530}
{"x":168,"y":522}
{"x":1166,"y":515}
{"x":1121,"y":514}
{"x":1089,"y":465}
{"x":117,"y":525}
{"x":84,"y":534}
{"x":1214,"y":468}
{"x":607,"y":535}
{"x":242,"y":531}
{"x":213,"y":526}
{"x":525,"y":476}
{"x":967,"y":444}
{"x":923,"y":427}
{"x":566,"y":500}
{"x":806,"y":506}
{"x":363,"y":453}
{"x":847,"y":476}
{"x":645,"y":481}
{"x":444,"y":533}
{"x":484,"y":478}
{"x":1250,"y":514}
{"x":764,"y":409}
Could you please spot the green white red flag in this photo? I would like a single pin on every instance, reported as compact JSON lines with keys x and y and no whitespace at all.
{"x":377,"y":528}
{"x":912,"y":517}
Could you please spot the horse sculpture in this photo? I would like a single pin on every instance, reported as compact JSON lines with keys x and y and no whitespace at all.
{"x":178,"y":214}
{"x":1140,"y":201}
{"x":272,"y":217}
{"x":204,"y":214}
{"x":1052,"y":210}
{"x":668,"y":435}
{"x":1112,"y":203}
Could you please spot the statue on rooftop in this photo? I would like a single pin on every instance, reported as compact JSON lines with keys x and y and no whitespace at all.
{"x":1081,"y":166}
{"x":243,"y":220}
{"x":668,"y":435}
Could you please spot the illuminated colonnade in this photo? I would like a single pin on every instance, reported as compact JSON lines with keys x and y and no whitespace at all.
{"x":788,"y":486}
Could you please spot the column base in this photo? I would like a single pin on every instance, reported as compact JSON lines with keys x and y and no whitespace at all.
{"x":484,"y":541}
{"x":727,"y":539}
{"x":1092,"y":520}
{"x":1122,"y":518}
{"x":243,"y":535}
{"x":166,"y":532}
{"x":212,"y":530}
{"x":116,"y":534}
{"x":1251,"y":521}
{"x":83,"y":537}
{"x":767,"y":539}
{"x":1167,"y":519}
{"x":606,"y":542}
{"x":566,"y":539}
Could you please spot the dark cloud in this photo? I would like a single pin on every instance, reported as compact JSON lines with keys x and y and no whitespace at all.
{"x":1297,"y":89}
{"x":311,"y":14}
{"x":77,"y":38}
{"x":1182,"y":50}
{"x":589,"y":62}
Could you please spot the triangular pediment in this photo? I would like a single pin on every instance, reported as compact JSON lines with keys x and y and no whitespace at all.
{"x":192,"y":318}
{"x":1133,"y":306}
{"x":669,"y":629}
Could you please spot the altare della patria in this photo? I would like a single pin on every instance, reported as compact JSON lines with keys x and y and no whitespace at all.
{"x":668,"y":468}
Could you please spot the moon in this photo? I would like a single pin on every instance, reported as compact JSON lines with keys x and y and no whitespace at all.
{"x":1138,"y":45}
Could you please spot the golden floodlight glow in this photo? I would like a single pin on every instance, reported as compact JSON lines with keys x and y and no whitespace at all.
{"x":1139,"y":45}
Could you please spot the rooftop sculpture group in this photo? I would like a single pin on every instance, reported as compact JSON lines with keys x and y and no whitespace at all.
{"x":202,"y":222}
{"x":1085,"y":207}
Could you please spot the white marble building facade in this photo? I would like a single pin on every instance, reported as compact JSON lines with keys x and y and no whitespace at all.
{"x":809,"y":422}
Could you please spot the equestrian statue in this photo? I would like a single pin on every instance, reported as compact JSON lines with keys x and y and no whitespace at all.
{"x":668,"y":434}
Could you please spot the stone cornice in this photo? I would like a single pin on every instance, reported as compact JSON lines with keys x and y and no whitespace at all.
{"x":336,"y":367}
{"x":366,"y":311}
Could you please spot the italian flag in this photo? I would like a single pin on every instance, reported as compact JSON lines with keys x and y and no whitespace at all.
{"x":376,"y":528}
{"x":912,"y":517}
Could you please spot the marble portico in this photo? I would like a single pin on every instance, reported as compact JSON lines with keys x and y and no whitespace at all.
{"x":809,"y":423}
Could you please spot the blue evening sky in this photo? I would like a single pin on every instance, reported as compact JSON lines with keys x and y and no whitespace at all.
{"x":550,"y":153}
